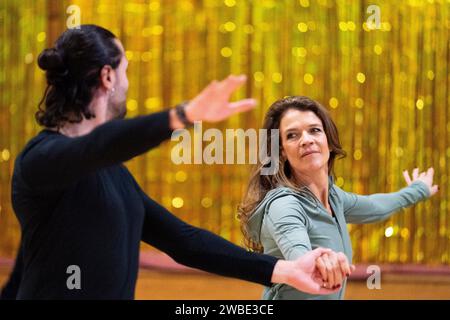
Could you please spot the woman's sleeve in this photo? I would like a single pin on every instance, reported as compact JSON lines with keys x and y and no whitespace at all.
{"x":379,"y":206}
{"x":201,"y":249}
{"x":287,"y":225}
{"x":62,"y":160}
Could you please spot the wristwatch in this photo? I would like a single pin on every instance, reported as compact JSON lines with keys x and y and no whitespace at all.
{"x":181,"y":114}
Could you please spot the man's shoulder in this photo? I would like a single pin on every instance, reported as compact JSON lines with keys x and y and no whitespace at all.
{"x":32,"y":145}
{"x":36,"y":141}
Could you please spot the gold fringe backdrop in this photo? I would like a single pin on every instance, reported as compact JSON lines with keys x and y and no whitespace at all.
{"x":387,"y":89}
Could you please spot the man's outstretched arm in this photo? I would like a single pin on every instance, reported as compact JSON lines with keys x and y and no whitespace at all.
{"x":201,"y":249}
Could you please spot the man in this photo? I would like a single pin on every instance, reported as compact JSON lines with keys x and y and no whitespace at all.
{"x":78,"y":205}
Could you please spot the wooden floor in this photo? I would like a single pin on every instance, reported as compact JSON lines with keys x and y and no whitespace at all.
{"x":156,"y":285}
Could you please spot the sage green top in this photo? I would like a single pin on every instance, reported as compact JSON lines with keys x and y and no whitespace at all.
{"x":289,"y":223}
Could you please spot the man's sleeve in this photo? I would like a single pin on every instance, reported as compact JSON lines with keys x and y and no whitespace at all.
{"x":201,"y":249}
{"x":62,"y":160}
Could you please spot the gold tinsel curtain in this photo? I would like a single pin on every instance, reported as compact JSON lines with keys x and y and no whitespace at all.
{"x":387,"y":89}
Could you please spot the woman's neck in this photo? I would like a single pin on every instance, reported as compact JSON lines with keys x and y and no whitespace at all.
{"x":317,"y":182}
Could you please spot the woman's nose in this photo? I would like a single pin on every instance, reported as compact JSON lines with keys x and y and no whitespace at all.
{"x":306,"y":140}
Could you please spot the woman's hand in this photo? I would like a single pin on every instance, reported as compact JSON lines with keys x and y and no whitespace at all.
{"x":304,"y":274}
{"x":213,"y":105}
{"x":333,"y":268}
{"x":425,"y":177}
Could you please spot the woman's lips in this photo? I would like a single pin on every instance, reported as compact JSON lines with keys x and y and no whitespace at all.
{"x":307,"y":153}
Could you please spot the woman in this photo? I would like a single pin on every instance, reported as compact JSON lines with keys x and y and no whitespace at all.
{"x":300,"y":208}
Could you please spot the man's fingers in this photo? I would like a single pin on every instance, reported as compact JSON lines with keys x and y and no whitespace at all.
{"x":317,"y":287}
{"x":232,"y":83}
{"x":407,"y":177}
{"x":208,"y":93}
{"x":242,"y":105}
{"x":210,"y":87}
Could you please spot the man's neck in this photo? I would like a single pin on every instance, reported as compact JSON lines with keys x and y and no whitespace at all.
{"x":84,"y":127}
{"x":80,"y":129}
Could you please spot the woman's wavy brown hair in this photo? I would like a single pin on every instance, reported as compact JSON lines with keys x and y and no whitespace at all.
{"x":260,"y":184}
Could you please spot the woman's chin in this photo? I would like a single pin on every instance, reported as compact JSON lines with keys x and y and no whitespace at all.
{"x":313,"y":168}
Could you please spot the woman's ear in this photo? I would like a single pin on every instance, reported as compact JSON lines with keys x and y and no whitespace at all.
{"x":108,"y":77}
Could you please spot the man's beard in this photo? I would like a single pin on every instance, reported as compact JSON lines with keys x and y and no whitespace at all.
{"x":117,"y":109}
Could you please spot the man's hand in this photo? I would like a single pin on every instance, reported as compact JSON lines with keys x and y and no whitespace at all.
{"x":213,"y":103}
{"x":305,"y":275}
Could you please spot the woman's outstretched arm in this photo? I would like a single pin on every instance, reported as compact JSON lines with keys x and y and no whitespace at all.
{"x":379,"y":206}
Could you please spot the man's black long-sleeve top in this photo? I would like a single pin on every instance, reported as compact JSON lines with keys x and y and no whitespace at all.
{"x":78,"y":205}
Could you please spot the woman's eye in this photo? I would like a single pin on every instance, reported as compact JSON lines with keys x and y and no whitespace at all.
{"x":316,"y":130}
{"x":291,"y":135}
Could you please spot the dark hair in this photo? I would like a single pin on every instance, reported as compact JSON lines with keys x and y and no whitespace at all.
{"x":260,"y":184}
{"x":73,"y":73}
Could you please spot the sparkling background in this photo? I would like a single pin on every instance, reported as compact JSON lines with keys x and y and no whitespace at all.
{"x":387,"y":90}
